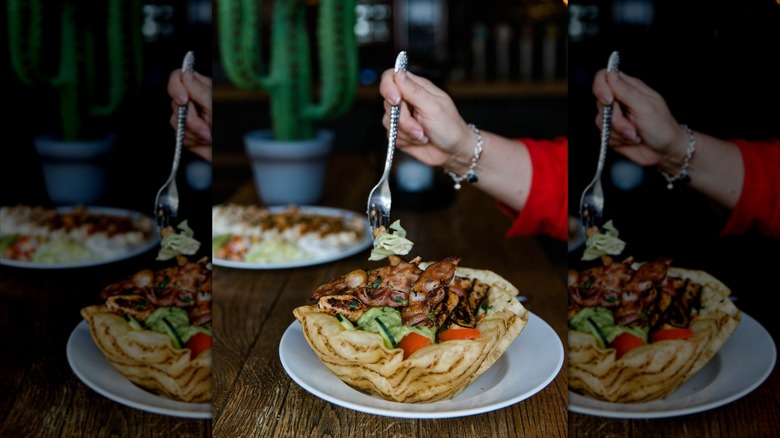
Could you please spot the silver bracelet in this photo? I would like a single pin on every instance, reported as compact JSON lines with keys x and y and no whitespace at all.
{"x":470,"y":175}
{"x":683,"y":175}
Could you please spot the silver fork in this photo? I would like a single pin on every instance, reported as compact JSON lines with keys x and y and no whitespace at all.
{"x":592,"y":200}
{"x":380,"y":200}
{"x":166,"y":205}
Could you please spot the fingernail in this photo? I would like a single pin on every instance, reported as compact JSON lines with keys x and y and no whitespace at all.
{"x":419,"y":136}
{"x":182,"y":99}
{"x":206,"y":135}
{"x":632,"y":136}
{"x":395,"y":99}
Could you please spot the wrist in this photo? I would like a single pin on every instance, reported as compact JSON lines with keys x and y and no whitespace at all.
{"x":462,"y":152}
{"x":673,"y":158}
{"x":675,"y":164}
{"x":460,"y":173}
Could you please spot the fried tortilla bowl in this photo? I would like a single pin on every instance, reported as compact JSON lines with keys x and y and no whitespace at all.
{"x":654,"y":371}
{"x":436,"y":372}
{"x":148,"y":359}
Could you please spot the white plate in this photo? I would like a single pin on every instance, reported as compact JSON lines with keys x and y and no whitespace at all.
{"x":89,"y":365}
{"x":742,"y":364}
{"x":153,"y":241}
{"x":526,"y":367}
{"x":328,"y":211}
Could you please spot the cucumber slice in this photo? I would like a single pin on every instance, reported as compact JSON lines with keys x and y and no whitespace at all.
{"x":481,"y":310}
{"x":347,"y":324}
{"x":386,"y":335}
{"x":601,"y":336}
{"x":173,"y":334}
{"x":133,"y":322}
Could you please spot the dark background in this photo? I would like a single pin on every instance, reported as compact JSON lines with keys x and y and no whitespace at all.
{"x":715,"y":63}
{"x":438,"y":49}
{"x":141,"y":161}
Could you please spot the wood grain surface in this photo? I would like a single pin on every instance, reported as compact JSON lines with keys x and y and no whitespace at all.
{"x":255,"y":397}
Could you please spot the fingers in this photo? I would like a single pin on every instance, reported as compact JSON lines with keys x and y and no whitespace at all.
{"x":407,"y":123}
{"x":197,"y":124}
{"x":199,"y":88}
{"x":388,"y":89}
{"x":408,"y":126}
{"x":601,"y":89}
{"x":197,"y":130}
{"x":176,"y":88}
{"x":632,"y":100}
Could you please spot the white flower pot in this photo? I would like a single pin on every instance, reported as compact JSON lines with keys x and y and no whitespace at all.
{"x":288,"y":172}
{"x":72,"y":170}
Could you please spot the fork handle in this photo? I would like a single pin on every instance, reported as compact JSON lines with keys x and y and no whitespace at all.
{"x":187,"y":65}
{"x":606,"y":126}
{"x":401,"y":64}
{"x":606,"y":122}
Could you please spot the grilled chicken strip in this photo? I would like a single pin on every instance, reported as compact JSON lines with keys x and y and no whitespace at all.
{"x":347,"y":305}
{"x":428,"y":291}
{"x":348,"y":282}
{"x":444,"y":310}
{"x":135,"y":305}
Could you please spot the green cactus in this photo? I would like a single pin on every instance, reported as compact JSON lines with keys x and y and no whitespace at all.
{"x":91,"y":83}
{"x":288,"y":77}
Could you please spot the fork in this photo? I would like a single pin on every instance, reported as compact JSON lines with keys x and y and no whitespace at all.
{"x":166,"y":204}
{"x":592,"y":200}
{"x":380,"y":199}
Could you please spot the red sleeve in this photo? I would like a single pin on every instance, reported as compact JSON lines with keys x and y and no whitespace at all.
{"x":545,"y":211}
{"x":758,"y":207}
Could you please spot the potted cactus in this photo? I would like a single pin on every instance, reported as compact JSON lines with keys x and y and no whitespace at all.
{"x":88,"y":55}
{"x":299,"y":96}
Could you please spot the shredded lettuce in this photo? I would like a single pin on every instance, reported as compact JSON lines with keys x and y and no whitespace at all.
{"x":387,"y":243}
{"x":603,"y":241}
{"x":61,"y":251}
{"x":181,"y":242}
{"x":274,"y":251}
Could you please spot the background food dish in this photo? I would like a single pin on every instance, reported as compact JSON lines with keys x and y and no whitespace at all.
{"x":150,"y":243}
{"x":511,"y":379}
{"x":742,"y":364}
{"x":345,"y":252}
{"x":92,"y":368}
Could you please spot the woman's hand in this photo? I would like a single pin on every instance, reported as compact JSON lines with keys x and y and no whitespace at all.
{"x":430,"y":128}
{"x":194,"y":90}
{"x":643,"y":128}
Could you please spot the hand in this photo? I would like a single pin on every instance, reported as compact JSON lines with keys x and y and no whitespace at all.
{"x":643,"y":128}
{"x":194,"y":90}
{"x":430,"y":128}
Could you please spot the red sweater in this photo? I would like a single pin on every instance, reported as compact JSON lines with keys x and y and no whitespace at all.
{"x":758,"y":207}
{"x":545,"y":211}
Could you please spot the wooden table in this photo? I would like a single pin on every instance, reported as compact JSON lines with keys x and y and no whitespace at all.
{"x":754,"y":415}
{"x":40,"y":396}
{"x":253,"y":308}
{"x":744,"y":264}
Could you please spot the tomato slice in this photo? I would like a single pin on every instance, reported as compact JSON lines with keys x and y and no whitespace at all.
{"x":625,"y":342}
{"x":198,"y":343}
{"x":458,"y":333}
{"x":666,"y":334}
{"x":413,"y":342}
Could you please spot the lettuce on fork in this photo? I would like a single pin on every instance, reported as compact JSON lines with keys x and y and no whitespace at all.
{"x":175,"y":243}
{"x":602,"y":241}
{"x":387,"y":243}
